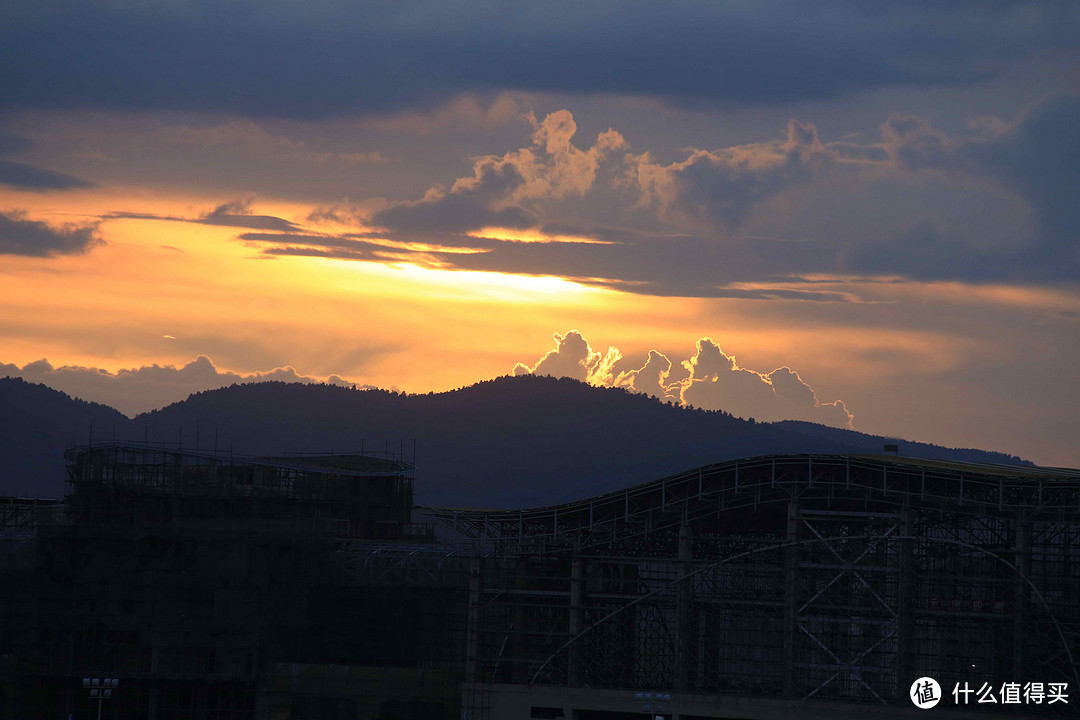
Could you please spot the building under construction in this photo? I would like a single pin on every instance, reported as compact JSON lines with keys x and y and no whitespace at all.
{"x":309,"y":587}
{"x":217,"y":586}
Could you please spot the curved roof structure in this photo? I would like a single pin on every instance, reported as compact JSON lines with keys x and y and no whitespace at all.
{"x":860,"y":481}
{"x":798,"y":579}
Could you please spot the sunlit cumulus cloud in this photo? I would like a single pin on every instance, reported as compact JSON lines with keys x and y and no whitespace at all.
{"x":717,"y":382}
{"x":763,"y":220}
{"x":573,"y":358}
{"x":149,"y":387}
{"x":502,"y":203}
{"x":718,"y":188}
{"x":713,"y":381}
{"x":510,"y":190}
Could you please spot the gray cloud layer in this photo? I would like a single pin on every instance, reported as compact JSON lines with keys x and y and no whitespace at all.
{"x":754,"y":221}
{"x":19,"y":236}
{"x":318,"y":59}
{"x":28,"y":177}
{"x":232,"y":213}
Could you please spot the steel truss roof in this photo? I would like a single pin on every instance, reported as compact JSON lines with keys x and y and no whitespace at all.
{"x":870,"y":481}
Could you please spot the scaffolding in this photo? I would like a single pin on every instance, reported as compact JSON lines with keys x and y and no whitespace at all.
{"x":221,"y":587}
{"x":342,"y":495}
{"x":801,"y":578}
{"x":227,"y":587}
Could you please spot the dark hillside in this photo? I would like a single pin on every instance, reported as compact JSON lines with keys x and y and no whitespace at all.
{"x":37,"y":424}
{"x":871,"y":444}
{"x":513,"y":441}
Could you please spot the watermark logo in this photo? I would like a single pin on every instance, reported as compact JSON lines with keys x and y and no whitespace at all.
{"x":925,"y":693}
{"x":1013,"y":693}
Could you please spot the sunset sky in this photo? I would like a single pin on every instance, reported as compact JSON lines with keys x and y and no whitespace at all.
{"x":862,"y":214}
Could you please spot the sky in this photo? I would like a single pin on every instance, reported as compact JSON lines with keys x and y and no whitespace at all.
{"x":859,"y":214}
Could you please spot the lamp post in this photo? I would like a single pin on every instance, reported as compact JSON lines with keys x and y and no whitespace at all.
{"x":100,"y":689}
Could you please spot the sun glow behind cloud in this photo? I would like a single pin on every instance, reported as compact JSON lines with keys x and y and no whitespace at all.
{"x":419,"y":247}
{"x":165,"y":291}
{"x":157,"y":278}
{"x":533,"y":235}
{"x":761,"y":243}
{"x":412,"y":280}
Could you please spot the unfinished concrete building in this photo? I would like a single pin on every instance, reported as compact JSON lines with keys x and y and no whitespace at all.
{"x":219,"y":586}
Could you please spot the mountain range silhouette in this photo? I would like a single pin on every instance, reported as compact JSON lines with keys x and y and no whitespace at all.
{"x":509,"y":442}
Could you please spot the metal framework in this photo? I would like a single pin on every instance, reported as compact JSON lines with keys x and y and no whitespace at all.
{"x":233,"y":588}
{"x":205,"y":580}
{"x":20,"y":516}
{"x":840,"y":578}
{"x":123,"y":483}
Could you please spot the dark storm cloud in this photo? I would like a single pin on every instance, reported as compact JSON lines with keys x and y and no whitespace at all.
{"x":927,"y":251}
{"x":319,"y":59}
{"x":997,"y":206}
{"x":19,"y":236}
{"x":723,"y":186}
{"x":455,"y":212}
{"x":1038,"y":156}
{"x":10,"y":144}
{"x":914,"y":144}
{"x":1034,"y":157}
{"x":28,"y":177}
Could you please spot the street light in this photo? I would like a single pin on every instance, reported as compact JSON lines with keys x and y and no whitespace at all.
{"x":654,"y":703}
{"x":100,"y":689}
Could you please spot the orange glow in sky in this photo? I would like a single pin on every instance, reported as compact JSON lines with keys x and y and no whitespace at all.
{"x":532,"y":236}
{"x":236,"y":239}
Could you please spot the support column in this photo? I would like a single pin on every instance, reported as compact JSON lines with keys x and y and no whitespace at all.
{"x":905,"y":608}
{"x":1021,"y":596}
{"x":684,"y":630}
{"x":630,"y":574}
{"x":791,"y":568}
{"x":577,"y":619}
{"x":153,"y":701}
{"x":470,"y":688}
{"x":519,"y":647}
